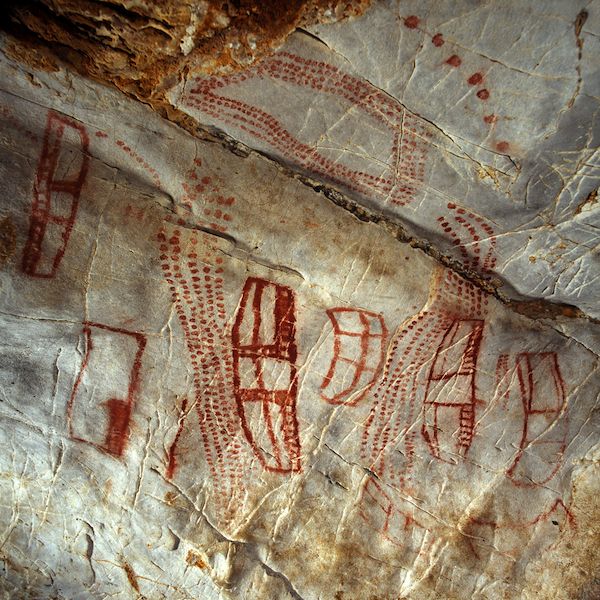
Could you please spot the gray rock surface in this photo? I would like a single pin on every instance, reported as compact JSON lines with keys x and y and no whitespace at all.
{"x":224,"y":373}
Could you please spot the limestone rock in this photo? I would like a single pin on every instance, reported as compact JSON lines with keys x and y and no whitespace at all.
{"x":323,"y":328}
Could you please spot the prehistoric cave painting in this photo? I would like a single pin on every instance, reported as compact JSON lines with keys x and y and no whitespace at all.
{"x":172,"y":455}
{"x":408,"y":141}
{"x":426,"y":404}
{"x":509,"y":532}
{"x":140,"y":160}
{"x":244,"y":374}
{"x":206,"y":190}
{"x":195,"y":277}
{"x":61,"y":173}
{"x":473,"y":80}
{"x":359,"y":338}
{"x":543,"y":443}
{"x":11,"y":119}
{"x":395,"y":520}
{"x":503,"y":378}
{"x":106,"y":389}
{"x":429,"y":377}
{"x":431,"y":354}
{"x":451,"y":385}
{"x":265,"y":378}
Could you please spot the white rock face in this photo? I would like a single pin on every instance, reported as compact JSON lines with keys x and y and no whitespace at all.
{"x":219,"y":379}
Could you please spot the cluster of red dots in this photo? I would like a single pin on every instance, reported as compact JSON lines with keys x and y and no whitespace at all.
{"x":454,"y":60}
{"x":408,"y":157}
{"x":196,"y":286}
{"x":458,"y":290}
{"x":141,"y":161}
{"x":465,"y":218}
{"x":202,"y":187}
{"x":454,"y":284}
{"x":419,"y":350}
{"x":202,"y":283}
{"x":415,"y":338}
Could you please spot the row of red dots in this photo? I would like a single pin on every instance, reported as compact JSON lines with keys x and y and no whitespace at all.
{"x":413,"y":22}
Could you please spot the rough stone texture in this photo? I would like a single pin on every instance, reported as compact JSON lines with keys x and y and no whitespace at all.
{"x":310,"y":330}
{"x":143,"y":47}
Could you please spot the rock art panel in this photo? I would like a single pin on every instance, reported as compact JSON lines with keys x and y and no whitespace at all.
{"x":359,"y":338}
{"x":112,"y":361}
{"x":435,"y":114}
{"x":60,"y":175}
{"x":234,"y":384}
{"x":265,"y":376}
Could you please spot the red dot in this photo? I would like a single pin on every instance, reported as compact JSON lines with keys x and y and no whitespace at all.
{"x":454,"y":61}
{"x":502,"y":146}
{"x":490,"y":118}
{"x":411,"y":22}
{"x":483,"y":94}
{"x":437,"y":40}
{"x":475,"y":79}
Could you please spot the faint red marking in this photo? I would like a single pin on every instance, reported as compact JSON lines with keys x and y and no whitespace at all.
{"x":410,"y":133}
{"x":490,"y":118}
{"x":437,"y":40}
{"x":395,"y":523}
{"x":520,"y":528}
{"x":454,"y":61}
{"x":558,"y":504}
{"x":172,"y":462}
{"x":18,"y":125}
{"x":475,"y":79}
{"x":201,"y":189}
{"x":265,"y":377}
{"x":61,"y":172}
{"x":542,"y":392}
{"x":451,"y":385}
{"x":483,"y":94}
{"x":502,"y":147}
{"x":119,"y":409}
{"x":502,"y":378}
{"x":101,"y":134}
{"x":135,"y":212}
{"x":141,"y":161}
{"x":353,"y":329}
{"x":412,"y":22}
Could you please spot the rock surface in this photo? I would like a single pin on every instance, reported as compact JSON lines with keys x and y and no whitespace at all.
{"x":143,"y":46}
{"x":325,"y":328}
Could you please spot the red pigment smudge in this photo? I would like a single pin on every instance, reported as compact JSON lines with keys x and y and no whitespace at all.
{"x":101,"y":134}
{"x":437,"y":40}
{"x":490,"y":118}
{"x":502,"y":146}
{"x":454,"y":61}
{"x":483,"y":94}
{"x":411,"y":22}
{"x":475,"y":79}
